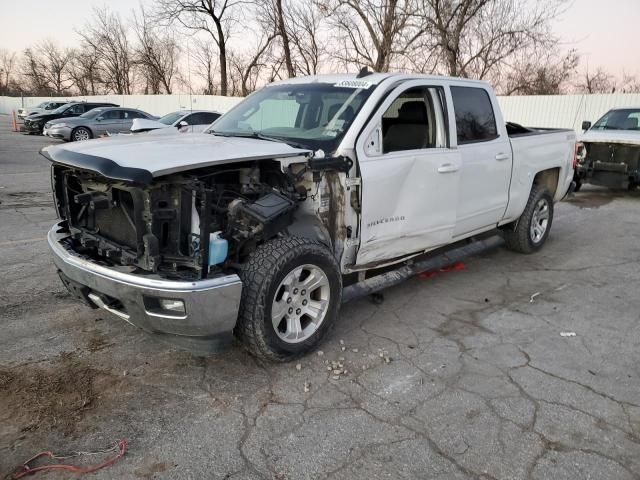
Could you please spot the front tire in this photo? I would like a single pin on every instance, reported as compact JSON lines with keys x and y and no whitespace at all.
{"x":532,"y":228}
{"x":81,"y":134}
{"x":291,"y":295}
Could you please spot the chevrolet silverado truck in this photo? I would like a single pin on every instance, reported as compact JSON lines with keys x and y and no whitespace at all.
{"x":305,"y":194}
{"x":609,"y":151}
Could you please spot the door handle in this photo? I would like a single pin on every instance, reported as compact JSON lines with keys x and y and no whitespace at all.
{"x":447,"y":168}
{"x":502,"y":156}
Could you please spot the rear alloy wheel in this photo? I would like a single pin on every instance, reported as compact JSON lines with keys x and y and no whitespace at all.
{"x":291,"y":293}
{"x":80,"y":134}
{"x":531,"y":230}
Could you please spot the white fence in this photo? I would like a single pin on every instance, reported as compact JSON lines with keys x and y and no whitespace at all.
{"x":550,"y":111}
{"x":154,"y":104}
{"x":563,"y":111}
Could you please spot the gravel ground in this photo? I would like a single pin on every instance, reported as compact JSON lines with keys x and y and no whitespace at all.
{"x":461,"y":375}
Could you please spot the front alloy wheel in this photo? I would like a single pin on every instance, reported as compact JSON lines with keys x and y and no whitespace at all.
{"x":291,"y":292}
{"x":81,"y":134}
{"x":301,"y":303}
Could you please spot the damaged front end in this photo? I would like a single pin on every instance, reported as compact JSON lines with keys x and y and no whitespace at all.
{"x":185,"y":226}
{"x":609,"y":164}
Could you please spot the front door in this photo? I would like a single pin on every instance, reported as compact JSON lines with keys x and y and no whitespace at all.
{"x":409,"y":175}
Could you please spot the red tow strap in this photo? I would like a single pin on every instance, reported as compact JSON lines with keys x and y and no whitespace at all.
{"x":25,"y":469}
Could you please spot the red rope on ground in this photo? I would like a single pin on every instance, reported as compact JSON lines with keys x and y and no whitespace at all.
{"x":25,"y":469}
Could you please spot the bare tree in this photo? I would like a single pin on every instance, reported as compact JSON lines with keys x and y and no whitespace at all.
{"x":476,"y":37}
{"x":598,"y":81}
{"x":84,"y":71}
{"x":538,"y":73}
{"x":303,"y":24}
{"x":248,"y":68}
{"x":374,"y":32}
{"x":216,"y":17}
{"x":204,"y":57}
{"x":629,"y":84}
{"x":46,"y":68}
{"x":8,"y":62}
{"x":156,"y":54}
{"x":106,"y":35}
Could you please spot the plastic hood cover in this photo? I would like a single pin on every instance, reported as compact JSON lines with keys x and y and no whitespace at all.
{"x":627,"y":137}
{"x":146,"y":124}
{"x":140,"y":158}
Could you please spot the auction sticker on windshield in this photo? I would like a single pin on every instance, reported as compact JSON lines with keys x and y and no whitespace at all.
{"x":353,"y":84}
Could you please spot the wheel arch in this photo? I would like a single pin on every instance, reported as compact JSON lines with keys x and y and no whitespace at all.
{"x":549,"y":179}
{"x":310,"y":227}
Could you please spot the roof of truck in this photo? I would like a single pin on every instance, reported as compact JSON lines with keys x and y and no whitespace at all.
{"x":371,"y":78}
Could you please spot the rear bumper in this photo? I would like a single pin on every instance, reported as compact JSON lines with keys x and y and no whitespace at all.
{"x":210,"y":306}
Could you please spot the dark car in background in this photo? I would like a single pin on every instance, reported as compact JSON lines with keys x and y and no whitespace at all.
{"x":35,"y":123}
{"x":47,"y":106}
{"x":94,"y":123}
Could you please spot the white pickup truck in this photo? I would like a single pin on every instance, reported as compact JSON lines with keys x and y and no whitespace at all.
{"x":302,"y":196}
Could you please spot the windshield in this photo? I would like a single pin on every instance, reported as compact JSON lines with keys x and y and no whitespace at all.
{"x":92,"y":113}
{"x":622,"y":119}
{"x":42,"y":105}
{"x":61,"y":108}
{"x":171,"y":118}
{"x":311,"y":115}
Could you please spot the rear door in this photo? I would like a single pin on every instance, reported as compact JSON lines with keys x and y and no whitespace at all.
{"x":110,"y":122}
{"x":409,"y":174}
{"x":486,"y":158}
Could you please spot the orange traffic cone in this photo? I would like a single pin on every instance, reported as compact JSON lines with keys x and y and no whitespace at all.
{"x":15,"y":123}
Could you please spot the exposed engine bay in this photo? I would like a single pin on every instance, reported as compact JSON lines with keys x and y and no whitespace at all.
{"x":609,"y":164}
{"x":189,"y":225}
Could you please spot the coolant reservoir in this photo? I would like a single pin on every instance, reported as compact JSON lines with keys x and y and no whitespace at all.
{"x":218,"y":248}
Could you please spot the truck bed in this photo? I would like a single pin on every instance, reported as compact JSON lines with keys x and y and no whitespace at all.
{"x":515,"y":130}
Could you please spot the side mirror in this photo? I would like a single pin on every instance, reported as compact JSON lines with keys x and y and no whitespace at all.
{"x":183,"y":123}
{"x":99,"y":119}
{"x":586,"y":125}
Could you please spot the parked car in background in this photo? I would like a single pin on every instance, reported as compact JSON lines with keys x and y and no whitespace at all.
{"x":35,"y":123}
{"x":48,"y":106}
{"x":609,"y":150}
{"x":192,"y":121}
{"x":255,"y":226}
{"x":94,"y":123}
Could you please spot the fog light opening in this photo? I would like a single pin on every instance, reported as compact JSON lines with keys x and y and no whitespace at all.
{"x":172,"y":305}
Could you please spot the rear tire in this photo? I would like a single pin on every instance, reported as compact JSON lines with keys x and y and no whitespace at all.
{"x":279,"y":319}
{"x":80,"y":134}
{"x":530,"y":231}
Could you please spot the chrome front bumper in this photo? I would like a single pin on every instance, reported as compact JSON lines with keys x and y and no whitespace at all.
{"x":61,"y":133}
{"x":210,"y":306}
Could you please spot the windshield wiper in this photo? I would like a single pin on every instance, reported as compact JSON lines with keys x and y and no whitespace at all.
{"x":259,"y":136}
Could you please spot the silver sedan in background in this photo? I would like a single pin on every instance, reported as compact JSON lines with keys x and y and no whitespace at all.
{"x":94,"y":123}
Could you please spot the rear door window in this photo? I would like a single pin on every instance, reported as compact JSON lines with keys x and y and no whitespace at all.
{"x":475,"y":120}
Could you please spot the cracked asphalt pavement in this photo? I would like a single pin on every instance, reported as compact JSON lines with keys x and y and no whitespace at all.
{"x":464,"y":375}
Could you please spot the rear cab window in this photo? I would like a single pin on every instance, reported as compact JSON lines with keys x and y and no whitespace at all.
{"x":475,"y":118}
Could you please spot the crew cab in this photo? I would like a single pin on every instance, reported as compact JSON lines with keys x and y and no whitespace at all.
{"x":307,"y":192}
{"x":609,"y":150}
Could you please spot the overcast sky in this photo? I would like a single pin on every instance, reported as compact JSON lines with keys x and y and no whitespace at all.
{"x":604,"y":32}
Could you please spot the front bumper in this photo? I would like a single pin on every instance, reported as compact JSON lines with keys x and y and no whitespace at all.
{"x":62,"y":133}
{"x":31,"y":127}
{"x":210,"y":306}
